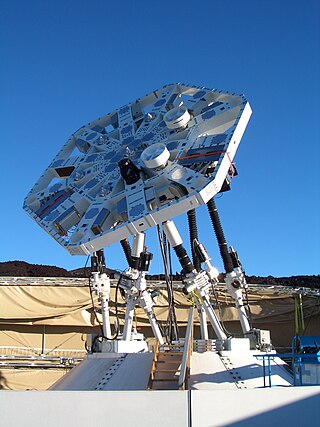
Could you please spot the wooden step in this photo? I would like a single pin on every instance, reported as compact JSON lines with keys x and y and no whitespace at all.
{"x":163,"y":376}
{"x":169,"y":376}
{"x":166,"y":370}
{"x":169,"y":361}
{"x":169,"y":357}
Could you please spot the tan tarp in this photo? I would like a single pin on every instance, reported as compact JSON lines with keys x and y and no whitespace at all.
{"x":45,"y":305}
{"x":72,"y":306}
{"x":29,"y":379}
{"x":53,"y":318}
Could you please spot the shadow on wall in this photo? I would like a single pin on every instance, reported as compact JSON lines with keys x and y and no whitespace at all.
{"x":302,"y":412}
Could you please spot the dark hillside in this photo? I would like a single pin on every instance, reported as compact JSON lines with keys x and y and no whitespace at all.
{"x":23,"y":269}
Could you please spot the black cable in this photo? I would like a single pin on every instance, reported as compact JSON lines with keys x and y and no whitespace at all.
{"x":116,"y":307}
{"x":168,"y":252}
{"x":170,"y":332}
{"x":168,"y":329}
{"x":127,"y":251}
{"x":184,"y":260}
{"x":249,"y":314}
{"x":223,"y":247}
{"x":193,"y":234}
{"x":164,"y":242}
{"x":85,"y":266}
{"x":171,"y":284}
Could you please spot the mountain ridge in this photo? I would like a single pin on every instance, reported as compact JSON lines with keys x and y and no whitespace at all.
{"x":24,"y":269}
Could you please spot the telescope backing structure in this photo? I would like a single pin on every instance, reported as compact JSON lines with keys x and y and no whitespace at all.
{"x":140,"y":166}
{"x":146,"y":162}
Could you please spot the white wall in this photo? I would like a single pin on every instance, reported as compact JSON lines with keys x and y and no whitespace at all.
{"x":292,"y":406}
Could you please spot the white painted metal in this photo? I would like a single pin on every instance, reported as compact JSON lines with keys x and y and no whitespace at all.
{"x":211,"y":315}
{"x":136,"y":345}
{"x":236,"y":294}
{"x":109,"y":371}
{"x":128,"y":321}
{"x":134,"y":284}
{"x":177,"y":118}
{"x":147,"y":305}
{"x":294,"y":407}
{"x":200,"y":282}
{"x":98,"y":408}
{"x":203,"y":321}
{"x":101,"y":285}
{"x":187,"y":350}
{"x":237,"y":345}
{"x":236,"y":369}
{"x":155,"y":156}
{"x":175,"y":408}
{"x":82,"y":200}
{"x":138,"y":244}
{"x":138,"y":295}
{"x":172,"y":233}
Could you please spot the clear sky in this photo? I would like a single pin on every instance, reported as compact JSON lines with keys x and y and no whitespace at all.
{"x":67,"y":62}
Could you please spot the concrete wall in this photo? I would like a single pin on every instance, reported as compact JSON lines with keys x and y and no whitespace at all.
{"x":198,"y":408}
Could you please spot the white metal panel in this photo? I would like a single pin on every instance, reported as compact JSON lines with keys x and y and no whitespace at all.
{"x":293,"y":406}
{"x":95,"y":408}
{"x":108,"y":371}
{"x":133,"y":374}
{"x":88,"y":373}
{"x":207,"y":372}
{"x":82,"y":199}
{"x":247,"y":370}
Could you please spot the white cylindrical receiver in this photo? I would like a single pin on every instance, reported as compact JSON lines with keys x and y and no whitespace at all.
{"x":138,"y":244}
{"x":177,"y":118}
{"x":155,"y":156}
{"x":172,"y":233}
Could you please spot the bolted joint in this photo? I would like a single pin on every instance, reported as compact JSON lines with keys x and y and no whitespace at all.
{"x":195,"y":280}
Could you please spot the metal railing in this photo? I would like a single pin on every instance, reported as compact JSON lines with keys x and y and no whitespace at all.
{"x":187,"y":351}
{"x":298,"y":359}
{"x":155,"y":350}
{"x":41,"y":361}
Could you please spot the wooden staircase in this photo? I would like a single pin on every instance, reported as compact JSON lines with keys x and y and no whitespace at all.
{"x":165,"y":370}
{"x":170,"y":368}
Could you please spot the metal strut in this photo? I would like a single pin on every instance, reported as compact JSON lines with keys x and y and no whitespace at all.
{"x":235,"y":279}
{"x":200,"y":282}
{"x":193,"y":233}
{"x":134,"y":284}
{"x":127,"y":251}
{"x":223,"y":247}
{"x":101,"y":286}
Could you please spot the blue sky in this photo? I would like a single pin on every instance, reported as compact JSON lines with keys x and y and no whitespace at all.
{"x":65,"y":63}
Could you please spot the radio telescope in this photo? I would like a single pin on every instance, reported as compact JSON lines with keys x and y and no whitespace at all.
{"x":138,"y":166}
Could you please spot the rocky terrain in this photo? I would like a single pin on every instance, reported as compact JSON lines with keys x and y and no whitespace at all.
{"x":23,"y":269}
